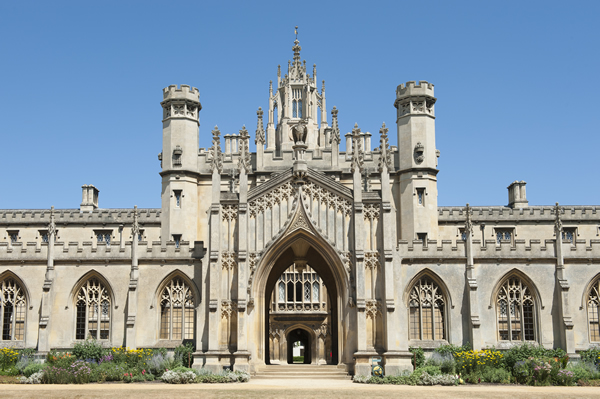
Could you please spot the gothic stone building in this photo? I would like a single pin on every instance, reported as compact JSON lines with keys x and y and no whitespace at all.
{"x":346,"y":252}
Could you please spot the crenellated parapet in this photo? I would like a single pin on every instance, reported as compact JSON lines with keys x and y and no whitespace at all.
{"x":77,"y":252}
{"x":448,"y":214}
{"x":25,"y":217}
{"x":413,"y":98}
{"x":492,"y":251}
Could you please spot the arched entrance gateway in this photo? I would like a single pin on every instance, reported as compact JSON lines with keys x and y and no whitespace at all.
{"x":303,"y":299}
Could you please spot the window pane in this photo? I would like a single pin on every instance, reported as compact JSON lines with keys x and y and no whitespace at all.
{"x":414,"y":323}
{"x":189,"y":323}
{"x":427,"y":323}
{"x":7,"y":322}
{"x":315,"y":292}
{"x":177,"y":323}
{"x":80,"y":325}
{"x":165,"y":318}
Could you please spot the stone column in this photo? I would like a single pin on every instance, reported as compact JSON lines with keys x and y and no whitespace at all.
{"x":130,"y":338}
{"x":471,"y":284}
{"x":562,"y":288}
{"x":47,"y":292}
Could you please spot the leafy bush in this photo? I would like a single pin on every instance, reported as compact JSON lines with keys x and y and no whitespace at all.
{"x":564,"y":377}
{"x":60,"y":359}
{"x":526,"y":350}
{"x":8,"y":358}
{"x":418,"y":358}
{"x":440,"y":379}
{"x":536,"y":371}
{"x":476,"y":361}
{"x":159,"y":362}
{"x":452,"y":349}
{"x":178,"y":377}
{"x":583,"y":371}
{"x":108,"y":371}
{"x":184,"y":354}
{"x":79,"y":372}
{"x":10,"y":371}
{"x":89,"y":349}
{"x":35,"y":378}
{"x":33,"y":368}
{"x":444,"y":361}
{"x":496,"y":375}
{"x":23,"y":362}
{"x":431,"y":370}
{"x":133,"y":358}
{"x":591,"y":355}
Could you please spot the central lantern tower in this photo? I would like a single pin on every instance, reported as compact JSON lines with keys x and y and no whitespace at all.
{"x":297,"y":99}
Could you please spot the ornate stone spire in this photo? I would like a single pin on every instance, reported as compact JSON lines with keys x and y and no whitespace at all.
{"x":335,"y":130}
{"x":244,"y":160}
{"x":385,"y":158}
{"x":358,"y":156}
{"x":297,"y":49}
{"x":468,"y":221}
{"x":135,"y":227}
{"x":51,"y":225}
{"x":558,"y":221}
{"x":216,"y":154}
{"x":260,"y":131}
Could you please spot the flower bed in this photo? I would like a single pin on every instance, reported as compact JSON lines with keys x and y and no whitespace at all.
{"x":522,"y":364}
{"x":90,"y":362}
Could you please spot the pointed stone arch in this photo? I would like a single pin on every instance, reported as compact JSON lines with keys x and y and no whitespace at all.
{"x":323,"y":258}
{"x":592,"y":312}
{"x":535,"y":308}
{"x":93,"y":307}
{"x":169,"y":331}
{"x":447,"y":304}
{"x":17,"y":294}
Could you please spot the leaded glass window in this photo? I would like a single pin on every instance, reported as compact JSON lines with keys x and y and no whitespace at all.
{"x":568,"y":235}
{"x":177,"y":311}
{"x":13,"y":306}
{"x":504,"y":235}
{"x":299,"y":108}
{"x":427,"y":311}
{"x":593,"y":307}
{"x":92,"y":311}
{"x":515,"y":309}
{"x":307,"y":292}
{"x":315,"y":293}
{"x":104,"y":236}
{"x":294,"y":109}
{"x":281,"y":292}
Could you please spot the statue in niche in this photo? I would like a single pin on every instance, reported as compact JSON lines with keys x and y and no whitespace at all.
{"x":299,"y":133}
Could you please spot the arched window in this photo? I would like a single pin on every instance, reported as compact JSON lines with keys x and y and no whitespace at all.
{"x":294,"y":109}
{"x":299,"y":108}
{"x":298,"y":291}
{"x":13,"y":306}
{"x":515,"y":309}
{"x":593,"y":306}
{"x":306,"y":291}
{"x":93,"y":311}
{"x":177,"y":311}
{"x":427,"y":311}
{"x":282,"y":292}
{"x":290,"y":291}
{"x":315,"y":293}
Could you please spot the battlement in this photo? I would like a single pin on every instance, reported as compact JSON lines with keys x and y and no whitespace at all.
{"x":42,"y":216}
{"x":424,"y":88}
{"x":73,"y":251}
{"x":532,"y":213}
{"x":584,"y":250}
{"x":184,"y":93}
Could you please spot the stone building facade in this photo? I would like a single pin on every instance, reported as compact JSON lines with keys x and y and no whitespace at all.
{"x":347,"y":252}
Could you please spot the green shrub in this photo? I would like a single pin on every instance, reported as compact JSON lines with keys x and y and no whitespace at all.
{"x":496,"y":375}
{"x":8,"y":358}
{"x":591,"y":355}
{"x":445,"y":361}
{"x":418,"y":358}
{"x":184,"y":354}
{"x":526,"y":350}
{"x":32,"y":369}
{"x":10,"y":371}
{"x":79,"y":372}
{"x":452,"y":349}
{"x":90,"y":349}
{"x":431,"y":370}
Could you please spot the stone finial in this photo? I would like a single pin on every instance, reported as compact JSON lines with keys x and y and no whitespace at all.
{"x":244,"y":150}
{"x":216,"y":162}
{"x":558,"y":219}
{"x":335,"y":130}
{"x":135,"y":226}
{"x":52,"y":224}
{"x":260,"y":131}
{"x":385,"y":158}
{"x":358,"y":156}
{"x":468,"y":221}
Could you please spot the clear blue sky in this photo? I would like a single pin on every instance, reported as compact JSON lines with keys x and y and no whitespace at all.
{"x":517,"y":86}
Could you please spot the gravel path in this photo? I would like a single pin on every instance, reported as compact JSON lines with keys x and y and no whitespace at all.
{"x":288,"y":389}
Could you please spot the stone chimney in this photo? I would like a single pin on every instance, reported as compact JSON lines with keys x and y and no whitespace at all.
{"x":517,"y":197}
{"x":89,"y":198}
